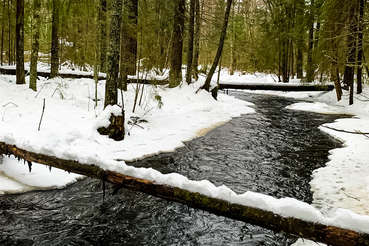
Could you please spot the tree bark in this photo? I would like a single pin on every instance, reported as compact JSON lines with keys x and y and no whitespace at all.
{"x":191,"y":30}
{"x":35,"y":44}
{"x":360,"y":24}
{"x":129,"y":43}
{"x":54,"y":71}
{"x":175,"y":73}
{"x":2,"y":33}
{"x":103,"y":34}
{"x":327,"y":234}
{"x":196,"y":40}
{"x":351,"y":53}
{"x":223,"y":33}
{"x":233,"y":44}
{"x":310,"y":62}
{"x":111,"y":86}
{"x":10,"y":55}
{"x":300,"y":38}
{"x":20,"y":77}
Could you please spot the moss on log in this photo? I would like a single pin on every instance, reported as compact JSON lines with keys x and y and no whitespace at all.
{"x":330,"y":235}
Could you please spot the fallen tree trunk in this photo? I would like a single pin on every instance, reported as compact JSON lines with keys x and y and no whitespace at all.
{"x":277,"y":87}
{"x":330,"y":235}
{"x":46,"y":74}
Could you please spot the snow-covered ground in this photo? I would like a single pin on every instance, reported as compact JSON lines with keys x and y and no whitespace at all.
{"x":68,"y":130}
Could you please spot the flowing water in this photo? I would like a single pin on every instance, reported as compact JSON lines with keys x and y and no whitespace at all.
{"x":273,"y":151}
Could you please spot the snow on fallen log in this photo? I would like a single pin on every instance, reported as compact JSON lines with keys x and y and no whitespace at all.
{"x":275,"y":86}
{"x":281,"y":215}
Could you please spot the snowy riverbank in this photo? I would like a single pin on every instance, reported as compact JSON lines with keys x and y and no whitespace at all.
{"x":68,"y":130}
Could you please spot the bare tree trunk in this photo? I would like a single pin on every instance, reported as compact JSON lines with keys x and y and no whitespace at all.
{"x":111,"y":86}
{"x":360,"y":47}
{"x":20,"y":42}
{"x":2,"y":33}
{"x":351,"y":55}
{"x":35,"y":44}
{"x":97,"y":64}
{"x":196,"y":40}
{"x":128,"y":44}
{"x":175,"y":74}
{"x":223,"y":33}
{"x":233,"y":40}
{"x":54,"y":71}
{"x":103,"y":34}
{"x":191,"y":31}
{"x":9,"y":34}
{"x":300,"y":38}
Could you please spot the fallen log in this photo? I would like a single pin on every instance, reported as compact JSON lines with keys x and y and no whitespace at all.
{"x":330,"y":235}
{"x":277,"y":87}
{"x":62,"y":74}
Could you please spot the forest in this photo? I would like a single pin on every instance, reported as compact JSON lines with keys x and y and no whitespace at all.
{"x":312,"y":40}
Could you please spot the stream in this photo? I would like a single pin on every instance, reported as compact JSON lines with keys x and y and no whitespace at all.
{"x":273,"y":152}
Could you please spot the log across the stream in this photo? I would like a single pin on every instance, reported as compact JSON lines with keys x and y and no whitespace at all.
{"x":275,"y":87}
{"x":330,"y":235}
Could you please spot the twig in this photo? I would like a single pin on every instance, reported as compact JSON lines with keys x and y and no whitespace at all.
{"x":43,"y":109}
{"x":3,"y":115}
{"x":352,"y":132}
{"x":349,"y":195}
{"x":10,"y":103}
{"x":40,"y":89}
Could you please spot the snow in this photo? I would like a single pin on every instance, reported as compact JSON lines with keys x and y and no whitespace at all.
{"x":173,"y":116}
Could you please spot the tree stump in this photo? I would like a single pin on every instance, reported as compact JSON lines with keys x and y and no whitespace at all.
{"x":116,"y":129}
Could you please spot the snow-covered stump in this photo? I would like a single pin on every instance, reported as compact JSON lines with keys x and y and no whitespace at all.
{"x":116,"y":129}
{"x":327,"y":234}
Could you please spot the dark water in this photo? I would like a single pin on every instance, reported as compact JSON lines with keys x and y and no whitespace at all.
{"x":273,"y":152}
